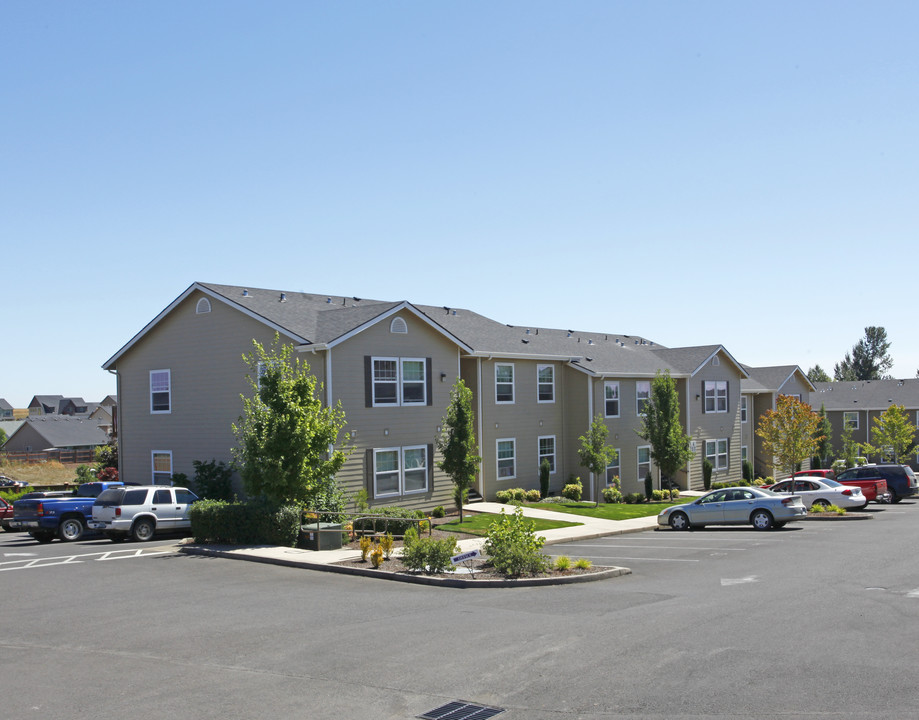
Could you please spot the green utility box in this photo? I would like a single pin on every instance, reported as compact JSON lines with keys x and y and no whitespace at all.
{"x":320,"y":536}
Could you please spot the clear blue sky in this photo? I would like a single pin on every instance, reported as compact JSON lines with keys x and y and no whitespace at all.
{"x":742,"y":173}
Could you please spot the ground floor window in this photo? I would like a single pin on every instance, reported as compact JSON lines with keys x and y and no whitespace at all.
{"x":507,"y":459}
{"x":716,"y":452}
{"x":400,"y":471}
{"x":161,"y":461}
{"x":547,"y":451}
{"x":644,"y":462}
{"x":613,"y":470}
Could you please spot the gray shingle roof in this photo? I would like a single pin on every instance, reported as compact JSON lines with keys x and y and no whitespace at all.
{"x":768,"y":379}
{"x":4,"y":405}
{"x":63,"y":431}
{"x":866,"y":394}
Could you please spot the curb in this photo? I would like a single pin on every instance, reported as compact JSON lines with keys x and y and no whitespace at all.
{"x":604,"y":574}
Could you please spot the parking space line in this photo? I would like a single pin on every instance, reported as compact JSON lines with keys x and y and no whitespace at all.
{"x":636,"y":559}
{"x":658,"y":547}
{"x":39,"y":562}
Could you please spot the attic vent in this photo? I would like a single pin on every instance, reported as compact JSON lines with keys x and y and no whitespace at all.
{"x":398,"y":326}
{"x":245,"y":293}
{"x":283,"y":297}
{"x":203,"y":306}
{"x":716,"y":361}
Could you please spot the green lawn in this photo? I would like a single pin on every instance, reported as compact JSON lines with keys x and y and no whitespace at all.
{"x":478,"y":524}
{"x":608,"y":511}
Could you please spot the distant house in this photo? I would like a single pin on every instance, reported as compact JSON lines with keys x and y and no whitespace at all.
{"x":858,"y":403}
{"x":55,"y":432}
{"x":45,"y":405}
{"x":6,"y":410}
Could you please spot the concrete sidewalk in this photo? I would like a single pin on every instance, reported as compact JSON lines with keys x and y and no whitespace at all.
{"x":320,"y":559}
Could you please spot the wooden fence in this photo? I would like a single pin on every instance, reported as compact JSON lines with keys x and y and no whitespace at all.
{"x":65,"y":457}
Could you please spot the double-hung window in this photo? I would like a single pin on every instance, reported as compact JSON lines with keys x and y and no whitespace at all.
{"x":507,"y":459}
{"x":161,"y":463}
{"x":642,"y":396}
{"x":545,"y":383}
{"x":743,"y":408}
{"x":399,"y":381}
{"x":716,"y":452}
{"x":644,"y":462}
{"x":160,"y":391}
{"x":611,"y":398}
{"x":504,"y":383}
{"x":612,"y":470}
{"x":850,"y":420}
{"x":547,"y":451}
{"x":716,"y":396}
{"x":400,"y":471}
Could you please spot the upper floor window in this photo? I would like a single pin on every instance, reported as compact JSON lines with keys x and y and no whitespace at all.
{"x":504,"y":382}
{"x":716,"y":452}
{"x":611,"y":399}
{"x":160,"y":391}
{"x":743,"y":408}
{"x":642,"y":396}
{"x":399,"y":381}
{"x":716,"y":396}
{"x":850,"y":420}
{"x":545,"y":383}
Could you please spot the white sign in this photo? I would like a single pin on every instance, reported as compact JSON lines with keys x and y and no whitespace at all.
{"x":463,"y":557}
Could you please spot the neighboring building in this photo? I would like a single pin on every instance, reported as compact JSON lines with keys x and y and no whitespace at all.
{"x":6,"y":410}
{"x":761,"y":390}
{"x":857,"y":403}
{"x":76,"y":407}
{"x":392,"y":365}
{"x":55,"y":432}
{"x":45,"y":405}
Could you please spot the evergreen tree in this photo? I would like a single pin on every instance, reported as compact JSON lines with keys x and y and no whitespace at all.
{"x":818,"y":374}
{"x":869,"y":359}
{"x":825,"y":434}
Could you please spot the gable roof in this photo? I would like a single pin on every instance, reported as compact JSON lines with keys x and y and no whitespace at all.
{"x":46,"y":401}
{"x":4,"y":405}
{"x":772,"y":379}
{"x":63,"y":431}
{"x":866,"y":394}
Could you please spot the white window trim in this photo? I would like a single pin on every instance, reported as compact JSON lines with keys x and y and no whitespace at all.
{"x":743,"y":408}
{"x":618,"y":467}
{"x":498,"y":458}
{"x":744,"y":453}
{"x":716,"y":386}
{"x":612,"y":383}
{"x":641,"y":475}
{"x":168,"y":391}
{"x":203,"y":307}
{"x":512,"y":384}
{"x":540,"y":456}
{"x":399,"y":382}
{"x":400,"y":471}
{"x":153,"y":454}
{"x":539,"y":383}
{"x":714,"y":457}
{"x":639,"y":399}
{"x":845,"y":419}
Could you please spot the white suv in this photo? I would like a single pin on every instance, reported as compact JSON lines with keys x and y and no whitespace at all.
{"x":141,"y":511}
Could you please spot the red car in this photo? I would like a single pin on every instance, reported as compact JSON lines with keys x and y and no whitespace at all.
{"x":825,"y":473}
{"x":6,"y":514}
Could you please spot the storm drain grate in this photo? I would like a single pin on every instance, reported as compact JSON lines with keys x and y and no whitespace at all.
{"x":460,"y":710}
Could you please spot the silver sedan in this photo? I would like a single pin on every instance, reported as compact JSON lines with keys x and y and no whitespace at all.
{"x":735,"y":506}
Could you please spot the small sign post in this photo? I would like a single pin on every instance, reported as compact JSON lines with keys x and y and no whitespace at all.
{"x":466,"y":557}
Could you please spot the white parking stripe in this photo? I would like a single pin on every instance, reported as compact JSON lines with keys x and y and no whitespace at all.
{"x":73,"y":559}
{"x":656,"y":547}
{"x":618,"y":557}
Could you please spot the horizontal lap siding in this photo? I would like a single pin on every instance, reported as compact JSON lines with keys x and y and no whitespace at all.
{"x":715,"y":426}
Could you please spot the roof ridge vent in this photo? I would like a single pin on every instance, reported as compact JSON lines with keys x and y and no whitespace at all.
{"x":283,"y":297}
{"x":245,"y":292}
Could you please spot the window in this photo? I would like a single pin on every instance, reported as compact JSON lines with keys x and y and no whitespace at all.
{"x":160,"y":391}
{"x":203,"y":306}
{"x":611,"y":399}
{"x":545,"y":383}
{"x":642,"y":396}
{"x":547,"y":451}
{"x":850,"y":420}
{"x":400,"y":471}
{"x":507,"y":459}
{"x":162,"y":497}
{"x":743,"y":453}
{"x":612,"y":470}
{"x":504,"y":382}
{"x":716,"y":452}
{"x":162,"y":467}
{"x":716,"y":396}
{"x":644,"y":462}
{"x":398,"y":326}
{"x":743,"y":408}
{"x":399,"y":381}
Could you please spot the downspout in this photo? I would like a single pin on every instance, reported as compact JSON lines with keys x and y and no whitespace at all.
{"x":117,"y":423}
{"x":481,"y":425}
{"x":689,"y":432}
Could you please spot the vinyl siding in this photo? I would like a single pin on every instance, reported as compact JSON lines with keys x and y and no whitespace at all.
{"x":715,"y":425}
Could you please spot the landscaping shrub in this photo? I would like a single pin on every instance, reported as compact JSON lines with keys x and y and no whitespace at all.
{"x":827,"y":509}
{"x":674,"y":493}
{"x":736,"y":483}
{"x":563,"y":562}
{"x":439,"y":512}
{"x":583,"y":564}
{"x":249,"y":523}
{"x":612,"y":495}
{"x":427,"y":554}
{"x":649,"y":486}
{"x":545,"y":470}
{"x":213,"y":480}
{"x":513,"y":546}
{"x":657,"y":495}
{"x":533,"y":496}
{"x":707,"y":473}
{"x":573,"y":491}
{"x":747,"y":470}
{"x":634,"y":498}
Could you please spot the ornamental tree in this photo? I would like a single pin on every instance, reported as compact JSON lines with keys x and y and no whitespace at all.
{"x":789,"y":432}
{"x":457,"y":444}
{"x":893,"y":434}
{"x":286,"y":437}
{"x":662,"y":428}
{"x":594,"y":453}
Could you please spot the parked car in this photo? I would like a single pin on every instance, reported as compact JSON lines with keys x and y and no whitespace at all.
{"x":822,"y":491}
{"x":66,"y":517}
{"x":874,"y":489}
{"x":817,"y":472}
{"x":8,"y":482}
{"x":735,"y":506}
{"x":142,"y":511}
{"x":901,"y":480}
{"x":6,"y":514}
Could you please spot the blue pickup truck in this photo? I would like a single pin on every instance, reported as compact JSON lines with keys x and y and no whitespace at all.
{"x":63,"y":517}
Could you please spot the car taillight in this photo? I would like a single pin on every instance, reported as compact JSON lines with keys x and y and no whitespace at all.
{"x":788,"y":500}
{"x":117,"y":512}
{"x":847,"y":491}
{"x":41,"y":509}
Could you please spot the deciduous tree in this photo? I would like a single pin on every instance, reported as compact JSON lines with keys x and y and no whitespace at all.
{"x":789,"y":432}
{"x":662,"y":428}
{"x":894,"y":435}
{"x":457,"y":444}
{"x":594,"y":453}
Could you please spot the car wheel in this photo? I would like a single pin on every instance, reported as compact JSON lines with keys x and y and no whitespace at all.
{"x":761,"y":520}
{"x":779,"y":524}
{"x":42,"y":537}
{"x":70,"y":529}
{"x":820,"y":503}
{"x":679,"y":521}
{"x":116,"y":537}
{"x":894,"y":498}
{"x":143,"y":530}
